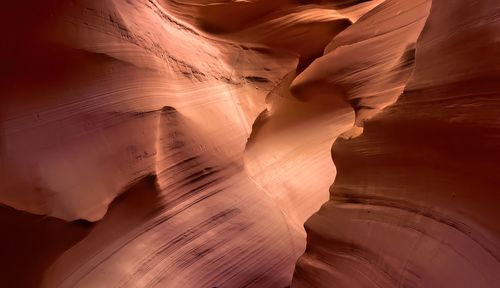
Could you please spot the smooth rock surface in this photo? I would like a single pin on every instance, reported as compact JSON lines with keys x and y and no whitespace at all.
{"x":166,"y":143}
{"x":415,"y":200}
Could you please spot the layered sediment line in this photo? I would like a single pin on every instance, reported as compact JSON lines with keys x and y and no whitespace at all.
{"x":413,"y":204}
{"x":185,"y":143}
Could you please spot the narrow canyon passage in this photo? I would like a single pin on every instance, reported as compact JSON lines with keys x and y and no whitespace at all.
{"x":161,"y":143}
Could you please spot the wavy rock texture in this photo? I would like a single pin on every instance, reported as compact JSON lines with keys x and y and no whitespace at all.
{"x":111,"y":92}
{"x":414,"y":201}
{"x":189,"y":141}
{"x":110,"y":77}
{"x":106,"y":98}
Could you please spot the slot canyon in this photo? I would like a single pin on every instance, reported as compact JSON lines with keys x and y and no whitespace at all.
{"x":250,"y":143}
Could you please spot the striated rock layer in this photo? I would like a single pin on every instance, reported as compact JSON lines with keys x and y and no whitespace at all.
{"x":188,"y":142}
{"x":105,"y":98}
{"x":415,"y":200}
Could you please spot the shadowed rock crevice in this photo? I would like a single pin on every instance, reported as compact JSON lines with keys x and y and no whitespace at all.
{"x":32,"y":243}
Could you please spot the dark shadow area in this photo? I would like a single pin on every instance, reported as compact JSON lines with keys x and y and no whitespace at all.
{"x":138,"y":204}
{"x":30,"y":244}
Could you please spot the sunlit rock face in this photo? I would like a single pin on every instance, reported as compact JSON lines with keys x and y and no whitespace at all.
{"x":189,"y":141}
{"x":83,"y":120}
{"x":109,"y":98}
{"x":110,"y":92}
{"x":415,"y":200}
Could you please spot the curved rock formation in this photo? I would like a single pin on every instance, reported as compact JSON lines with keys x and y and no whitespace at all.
{"x":414,"y":201}
{"x":114,"y":91}
{"x":369,"y":63}
{"x":188,"y":142}
{"x":68,"y":152}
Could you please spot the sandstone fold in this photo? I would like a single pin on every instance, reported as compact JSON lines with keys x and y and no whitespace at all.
{"x":81,"y":120}
{"x":414,"y":201}
{"x":369,"y":63}
{"x":184,"y":143}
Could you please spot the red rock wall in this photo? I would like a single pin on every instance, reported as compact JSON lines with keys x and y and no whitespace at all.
{"x":414,"y":201}
{"x":188,"y":142}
